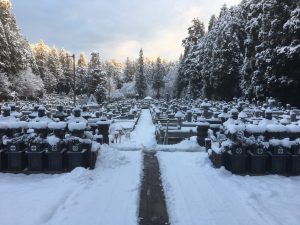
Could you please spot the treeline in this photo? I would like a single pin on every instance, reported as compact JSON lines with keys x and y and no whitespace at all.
{"x":56,"y":70}
{"x":146,"y":76}
{"x":30,"y":71}
{"x":250,"y":50}
{"x":105,"y":79}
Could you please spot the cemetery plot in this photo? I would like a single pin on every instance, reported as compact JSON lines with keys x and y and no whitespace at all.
{"x":50,"y":138}
{"x":192,"y":139}
{"x":244,"y":137}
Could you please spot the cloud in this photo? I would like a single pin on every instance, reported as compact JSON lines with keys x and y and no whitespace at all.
{"x":115,"y":28}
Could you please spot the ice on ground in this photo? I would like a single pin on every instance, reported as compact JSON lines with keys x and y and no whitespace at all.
{"x":108,"y":195}
{"x":197,"y":194}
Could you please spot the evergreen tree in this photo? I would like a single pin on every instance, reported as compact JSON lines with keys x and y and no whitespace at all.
{"x":54,"y":68}
{"x":42,"y":57}
{"x":129,"y":70}
{"x":4,"y":52}
{"x":20,"y":55}
{"x":16,"y":58}
{"x":140,"y":79}
{"x":212,"y":22}
{"x":66,"y":64}
{"x":97,"y":78}
{"x":81,"y":74}
{"x":158,"y":80}
{"x":228,"y":54}
{"x":189,"y":71}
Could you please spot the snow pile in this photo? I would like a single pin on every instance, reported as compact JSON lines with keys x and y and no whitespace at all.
{"x":95,"y":146}
{"x":184,"y":146}
{"x":73,"y":119}
{"x":106,"y":195}
{"x":38,"y":125}
{"x":233,"y":128}
{"x":276,"y":128}
{"x":16,"y":125}
{"x":77,"y":126}
{"x":293,"y":128}
{"x":179,"y":114}
{"x":53,"y":140}
{"x":111,"y":158}
{"x":197,"y":194}
{"x":57,"y":125}
{"x":254,"y":129}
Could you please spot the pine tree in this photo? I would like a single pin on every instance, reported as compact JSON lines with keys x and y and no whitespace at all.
{"x":129,"y":70}
{"x":4,"y":52}
{"x":5,"y":87}
{"x":228,"y":53}
{"x":140,"y":79}
{"x":16,"y":58}
{"x":158,"y":80}
{"x":212,"y":22}
{"x":20,"y":55}
{"x":97,"y":78}
{"x":54,"y":67}
{"x":189,"y":71}
{"x":45,"y":64}
{"x":66,"y":64}
{"x":81,"y":74}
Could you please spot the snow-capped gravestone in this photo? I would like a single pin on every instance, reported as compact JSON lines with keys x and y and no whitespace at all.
{"x":91,"y":101}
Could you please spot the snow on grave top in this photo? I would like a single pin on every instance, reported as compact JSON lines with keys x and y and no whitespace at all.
{"x":91,"y":101}
{"x":17,"y":125}
{"x":57,"y":125}
{"x":38,"y":124}
{"x":179,"y":114}
{"x":148,"y":98}
{"x":77,"y":126}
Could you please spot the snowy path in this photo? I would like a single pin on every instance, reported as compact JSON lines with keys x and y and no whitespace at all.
{"x":143,"y":136}
{"x":198,"y":194}
{"x":108,"y":195}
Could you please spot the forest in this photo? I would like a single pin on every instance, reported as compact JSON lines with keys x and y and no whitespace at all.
{"x":251,"y":50}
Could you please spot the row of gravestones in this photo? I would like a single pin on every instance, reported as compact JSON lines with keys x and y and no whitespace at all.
{"x":32,"y":140}
{"x":266,"y":135}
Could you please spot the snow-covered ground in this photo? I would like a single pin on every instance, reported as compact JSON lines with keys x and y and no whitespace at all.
{"x":143,"y":136}
{"x":108,"y":195}
{"x":197,"y":194}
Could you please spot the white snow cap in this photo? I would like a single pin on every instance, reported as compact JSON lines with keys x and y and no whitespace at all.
{"x":233,"y":128}
{"x":3,"y":125}
{"x":103,"y":122}
{"x":293,"y":128}
{"x":57,"y":125}
{"x":242,"y":115}
{"x":205,"y":104}
{"x":17,"y":125}
{"x":38,"y":125}
{"x":253,"y":129}
{"x":52,"y":140}
{"x":234,"y":110}
{"x":76,"y":126}
{"x":268,"y":111}
{"x":179,"y":114}
{"x":276,"y":128}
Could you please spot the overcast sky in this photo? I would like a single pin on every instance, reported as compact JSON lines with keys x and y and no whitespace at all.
{"x":115,"y":28}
